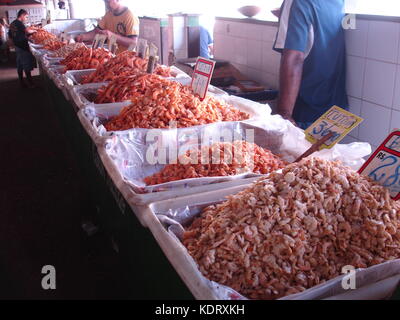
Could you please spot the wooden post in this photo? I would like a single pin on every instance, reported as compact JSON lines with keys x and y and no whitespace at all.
{"x":315,"y":147}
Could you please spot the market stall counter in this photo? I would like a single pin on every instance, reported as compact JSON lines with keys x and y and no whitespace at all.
{"x":150,"y":274}
{"x":149,"y":211}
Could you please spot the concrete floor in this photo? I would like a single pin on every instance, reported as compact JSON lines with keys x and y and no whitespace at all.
{"x":42,"y":206}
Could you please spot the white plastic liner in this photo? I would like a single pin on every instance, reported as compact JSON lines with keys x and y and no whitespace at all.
{"x":138,"y":201}
{"x":79,"y":92}
{"x":51,"y":57}
{"x":377,"y":282}
{"x":178,"y":73}
{"x":39,"y":53}
{"x":127,"y":155}
{"x":188,"y":80}
{"x":130,"y":154}
{"x":36,"y":46}
{"x":85,"y":94}
{"x":294,"y":143}
{"x":74,"y":77}
{"x":56,"y":74}
{"x":94,"y":116}
{"x":48,"y":61}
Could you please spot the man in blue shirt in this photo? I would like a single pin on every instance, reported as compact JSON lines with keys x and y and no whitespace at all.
{"x":313,"y":63}
{"x":206,"y":42}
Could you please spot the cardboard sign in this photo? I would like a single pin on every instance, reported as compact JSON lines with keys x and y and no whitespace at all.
{"x":112,"y":44}
{"x":202,"y":75}
{"x":142,"y":48}
{"x":153,"y":58}
{"x":63,"y":37}
{"x":99,"y":41}
{"x":133,"y":47}
{"x":336,"y":120}
{"x":95,"y":41}
{"x":384,"y":165}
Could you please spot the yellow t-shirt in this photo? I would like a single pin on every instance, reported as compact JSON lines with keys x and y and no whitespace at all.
{"x":124,"y":24}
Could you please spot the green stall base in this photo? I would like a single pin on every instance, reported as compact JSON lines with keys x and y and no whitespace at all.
{"x":151,"y":276}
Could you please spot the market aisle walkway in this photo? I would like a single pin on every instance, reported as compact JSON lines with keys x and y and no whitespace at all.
{"x":42,"y":202}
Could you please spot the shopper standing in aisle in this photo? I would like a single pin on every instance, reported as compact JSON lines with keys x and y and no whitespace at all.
{"x":313,"y":64}
{"x":119,"y":22}
{"x":3,"y":40}
{"x":25,"y":60}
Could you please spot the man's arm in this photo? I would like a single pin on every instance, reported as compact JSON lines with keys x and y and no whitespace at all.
{"x":211,"y":49}
{"x":88,"y":36}
{"x":124,"y":41}
{"x":290,"y":79}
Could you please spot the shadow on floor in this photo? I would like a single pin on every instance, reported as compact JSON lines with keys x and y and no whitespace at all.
{"x":43,"y":201}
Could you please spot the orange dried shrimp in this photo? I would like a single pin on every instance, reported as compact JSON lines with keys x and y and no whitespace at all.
{"x":157,"y":101}
{"x":41,"y":35}
{"x":296,"y":229}
{"x":53,"y":44}
{"x":86,"y":58}
{"x":232,"y":159}
{"x":126,"y":63}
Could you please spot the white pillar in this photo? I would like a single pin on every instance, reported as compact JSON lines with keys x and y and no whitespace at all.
{"x":71,"y":9}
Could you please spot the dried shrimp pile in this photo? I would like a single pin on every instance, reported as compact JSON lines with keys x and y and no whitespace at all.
{"x":64,"y":51}
{"x":53,"y":44}
{"x":295,"y":230}
{"x":124,"y":87}
{"x":126,"y":63}
{"x":41,"y":35}
{"x":86,"y":58}
{"x":221,"y":159}
{"x":157,"y":101}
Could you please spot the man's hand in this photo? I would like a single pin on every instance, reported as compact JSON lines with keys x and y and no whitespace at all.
{"x":276,"y":12}
{"x":107,"y":33}
{"x":287,"y":116}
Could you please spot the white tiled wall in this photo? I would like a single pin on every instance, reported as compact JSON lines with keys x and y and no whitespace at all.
{"x":373,"y":68}
{"x":249,"y":48}
{"x":373,"y":78}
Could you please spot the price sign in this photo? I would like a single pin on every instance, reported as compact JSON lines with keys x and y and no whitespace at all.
{"x":336,"y":120}
{"x":142,"y":48}
{"x":132,"y":47}
{"x":99,"y":41}
{"x":112,"y":44}
{"x":63,"y":37}
{"x":95,"y":43}
{"x":202,"y":75}
{"x":384,"y":165}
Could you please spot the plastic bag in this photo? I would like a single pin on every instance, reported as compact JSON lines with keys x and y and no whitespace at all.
{"x":376,"y":282}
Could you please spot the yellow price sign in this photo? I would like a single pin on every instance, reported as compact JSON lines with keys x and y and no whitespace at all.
{"x":336,"y":120}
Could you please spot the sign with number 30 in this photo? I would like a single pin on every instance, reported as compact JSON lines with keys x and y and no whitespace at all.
{"x":336,"y":120}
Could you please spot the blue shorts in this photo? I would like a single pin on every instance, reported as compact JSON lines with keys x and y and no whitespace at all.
{"x":25,"y":60}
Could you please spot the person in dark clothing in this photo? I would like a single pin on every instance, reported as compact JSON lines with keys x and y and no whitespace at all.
{"x":25,"y":60}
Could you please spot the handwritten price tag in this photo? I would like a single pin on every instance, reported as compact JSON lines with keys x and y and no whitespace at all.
{"x":202,"y":75}
{"x":99,"y":41}
{"x":336,"y":120}
{"x":112,"y":44}
{"x":63,"y":37}
{"x":384,"y":165}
